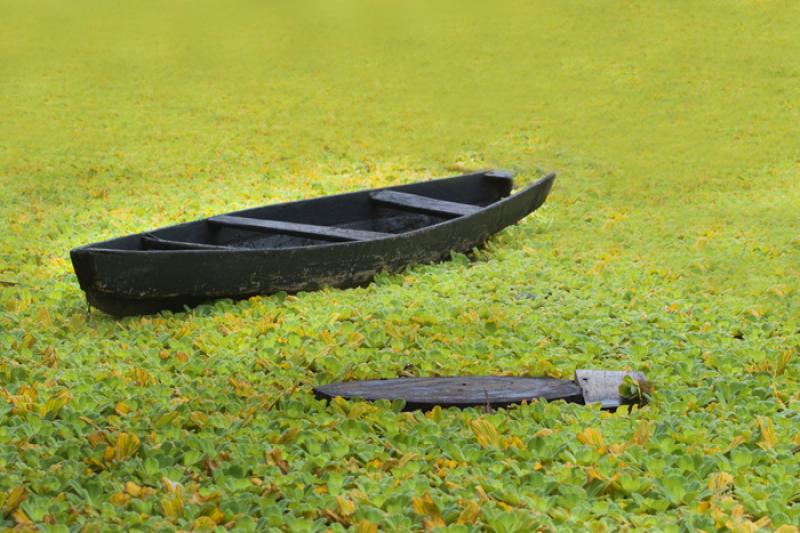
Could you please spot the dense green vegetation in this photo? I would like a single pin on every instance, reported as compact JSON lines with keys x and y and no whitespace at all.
{"x":670,"y":245}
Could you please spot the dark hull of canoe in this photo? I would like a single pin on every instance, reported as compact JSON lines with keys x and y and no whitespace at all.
{"x":125,"y":282}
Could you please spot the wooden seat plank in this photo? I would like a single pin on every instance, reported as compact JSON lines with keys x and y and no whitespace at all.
{"x":151,"y":242}
{"x":423,"y":204}
{"x":324,"y":233}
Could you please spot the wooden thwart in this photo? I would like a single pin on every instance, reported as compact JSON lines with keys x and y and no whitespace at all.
{"x":323,"y":233}
{"x":589,"y":386}
{"x":151,"y":242}
{"x":423,"y":204}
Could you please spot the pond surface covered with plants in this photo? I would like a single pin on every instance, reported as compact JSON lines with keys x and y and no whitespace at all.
{"x":670,"y":244}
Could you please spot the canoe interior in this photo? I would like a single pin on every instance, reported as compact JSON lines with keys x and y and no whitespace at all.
{"x":353,"y":211}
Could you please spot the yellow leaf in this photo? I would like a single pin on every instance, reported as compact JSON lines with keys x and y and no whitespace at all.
{"x":426,"y":508}
{"x":122,"y":408}
{"x":410,"y":456}
{"x":769,"y":439}
{"x":12,"y":499}
{"x":783,"y":362}
{"x":594,"y":474}
{"x":619,"y":447}
{"x":643,"y":432}
{"x":43,"y":317}
{"x":28,"y":340}
{"x":203,"y":523}
{"x":780,"y":292}
{"x":761,"y":523}
{"x":133,"y":489}
{"x":96,"y":438}
{"x":119,"y":498}
{"x":199,"y":419}
{"x":142,"y":377}
{"x":485,"y":433}
{"x":391,"y":330}
{"x":345,"y":506}
{"x":435,"y":414}
{"x":49,"y":357}
{"x":126,"y":446}
{"x":274,"y":457}
{"x":217,"y":515}
{"x":470,"y":513}
{"x":108,"y":453}
{"x":170,"y":486}
{"x":355,"y":339}
{"x":289,"y":435}
{"x":719,"y":482}
{"x":358,"y":495}
{"x":21,"y":518}
{"x":172,"y":505}
{"x":20,"y":403}
{"x":736,"y":441}
{"x":334,"y":517}
{"x":365,"y":526}
{"x":592,"y":437}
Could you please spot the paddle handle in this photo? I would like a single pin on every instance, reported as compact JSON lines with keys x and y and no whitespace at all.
{"x":602,"y":386}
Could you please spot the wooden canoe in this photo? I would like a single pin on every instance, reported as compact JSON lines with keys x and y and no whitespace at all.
{"x":333,"y":241}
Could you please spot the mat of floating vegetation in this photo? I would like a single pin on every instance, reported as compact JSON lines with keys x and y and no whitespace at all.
{"x":608,"y":388}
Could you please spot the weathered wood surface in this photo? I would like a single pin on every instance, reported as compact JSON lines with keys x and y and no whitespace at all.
{"x":602,"y":386}
{"x":423,"y":204}
{"x":464,"y":391}
{"x":589,"y":387}
{"x":324,"y":233}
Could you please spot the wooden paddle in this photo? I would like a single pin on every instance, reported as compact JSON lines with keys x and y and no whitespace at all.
{"x":588,"y":387}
